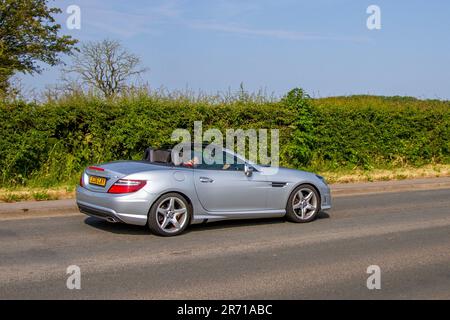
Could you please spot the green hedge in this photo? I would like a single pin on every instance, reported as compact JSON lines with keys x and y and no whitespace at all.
{"x":51,"y":143}
{"x":367,"y":132}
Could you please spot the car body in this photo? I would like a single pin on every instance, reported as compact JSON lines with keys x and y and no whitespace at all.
{"x":128,"y":191}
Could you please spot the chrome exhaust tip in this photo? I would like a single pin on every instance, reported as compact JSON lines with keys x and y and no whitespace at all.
{"x":112,"y":220}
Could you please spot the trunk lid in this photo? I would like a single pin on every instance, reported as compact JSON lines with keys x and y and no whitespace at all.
{"x":100,"y":178}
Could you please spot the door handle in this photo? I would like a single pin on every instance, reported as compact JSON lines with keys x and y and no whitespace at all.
{"x":206,"y":180}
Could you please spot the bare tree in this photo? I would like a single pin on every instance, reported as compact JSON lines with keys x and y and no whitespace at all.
{"x":105,"y":65}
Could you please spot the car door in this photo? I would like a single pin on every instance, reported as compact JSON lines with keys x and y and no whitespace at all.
{"x":226,"y":188}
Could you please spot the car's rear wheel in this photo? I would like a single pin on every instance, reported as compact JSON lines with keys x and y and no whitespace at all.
{"x":169,"y":215}
{"x":303,"y":204}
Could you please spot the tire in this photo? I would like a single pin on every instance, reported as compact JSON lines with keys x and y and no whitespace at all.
{"x":169,"y":215}
{"x":309,"y":201}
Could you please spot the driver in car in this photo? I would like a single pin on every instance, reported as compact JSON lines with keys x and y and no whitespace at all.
{"x":192,"y":163}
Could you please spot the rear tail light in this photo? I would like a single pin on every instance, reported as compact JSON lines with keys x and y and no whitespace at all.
{"x":81,"y":180}
{"x":127,"y":186}
{"x":96,"y":168}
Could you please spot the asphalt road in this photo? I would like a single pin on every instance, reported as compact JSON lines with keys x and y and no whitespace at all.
{"x":406,"y":234}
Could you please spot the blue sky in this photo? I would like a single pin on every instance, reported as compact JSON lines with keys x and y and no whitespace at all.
{"x":323,"y":46}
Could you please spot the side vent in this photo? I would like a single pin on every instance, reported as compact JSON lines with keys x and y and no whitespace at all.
{"x":278,"y":184}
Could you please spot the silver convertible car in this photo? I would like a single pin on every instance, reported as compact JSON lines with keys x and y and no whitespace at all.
{"x":167,"y":194}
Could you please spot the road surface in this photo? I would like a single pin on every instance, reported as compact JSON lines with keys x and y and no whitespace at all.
{"x":406,"y":234}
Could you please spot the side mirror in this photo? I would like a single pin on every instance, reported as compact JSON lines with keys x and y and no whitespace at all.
{"x":248,"y":170}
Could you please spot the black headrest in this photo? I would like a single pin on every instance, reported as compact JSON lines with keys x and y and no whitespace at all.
{"x":152,"y":155}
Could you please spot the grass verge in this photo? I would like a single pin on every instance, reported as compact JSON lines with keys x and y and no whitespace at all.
{"x":359,"y":175}
{"x":333,"y":176}
{"x":37,"y":194}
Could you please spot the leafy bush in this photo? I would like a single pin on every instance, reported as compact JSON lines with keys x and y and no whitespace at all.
{"x":367,"y":132}
{"x":51,"y":143}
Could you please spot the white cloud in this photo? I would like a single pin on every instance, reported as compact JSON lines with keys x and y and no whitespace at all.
{"x":131,"y":23}
{"x":150,"y":20}
{"x":272,"y":33}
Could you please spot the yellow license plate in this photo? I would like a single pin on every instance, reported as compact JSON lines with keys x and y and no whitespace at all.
{"x":98,"y":181}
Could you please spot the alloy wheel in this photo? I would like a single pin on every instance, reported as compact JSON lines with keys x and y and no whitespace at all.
{"x":171,"y":214}
{"x":304,"y":203}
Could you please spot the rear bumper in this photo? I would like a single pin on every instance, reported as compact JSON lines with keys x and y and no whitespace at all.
{"x":98,"y":212}
{"x":130,"y":208}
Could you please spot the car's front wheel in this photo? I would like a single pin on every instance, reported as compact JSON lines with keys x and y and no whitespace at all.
{"x":303,"y":204}
{"x":169,"y":215}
